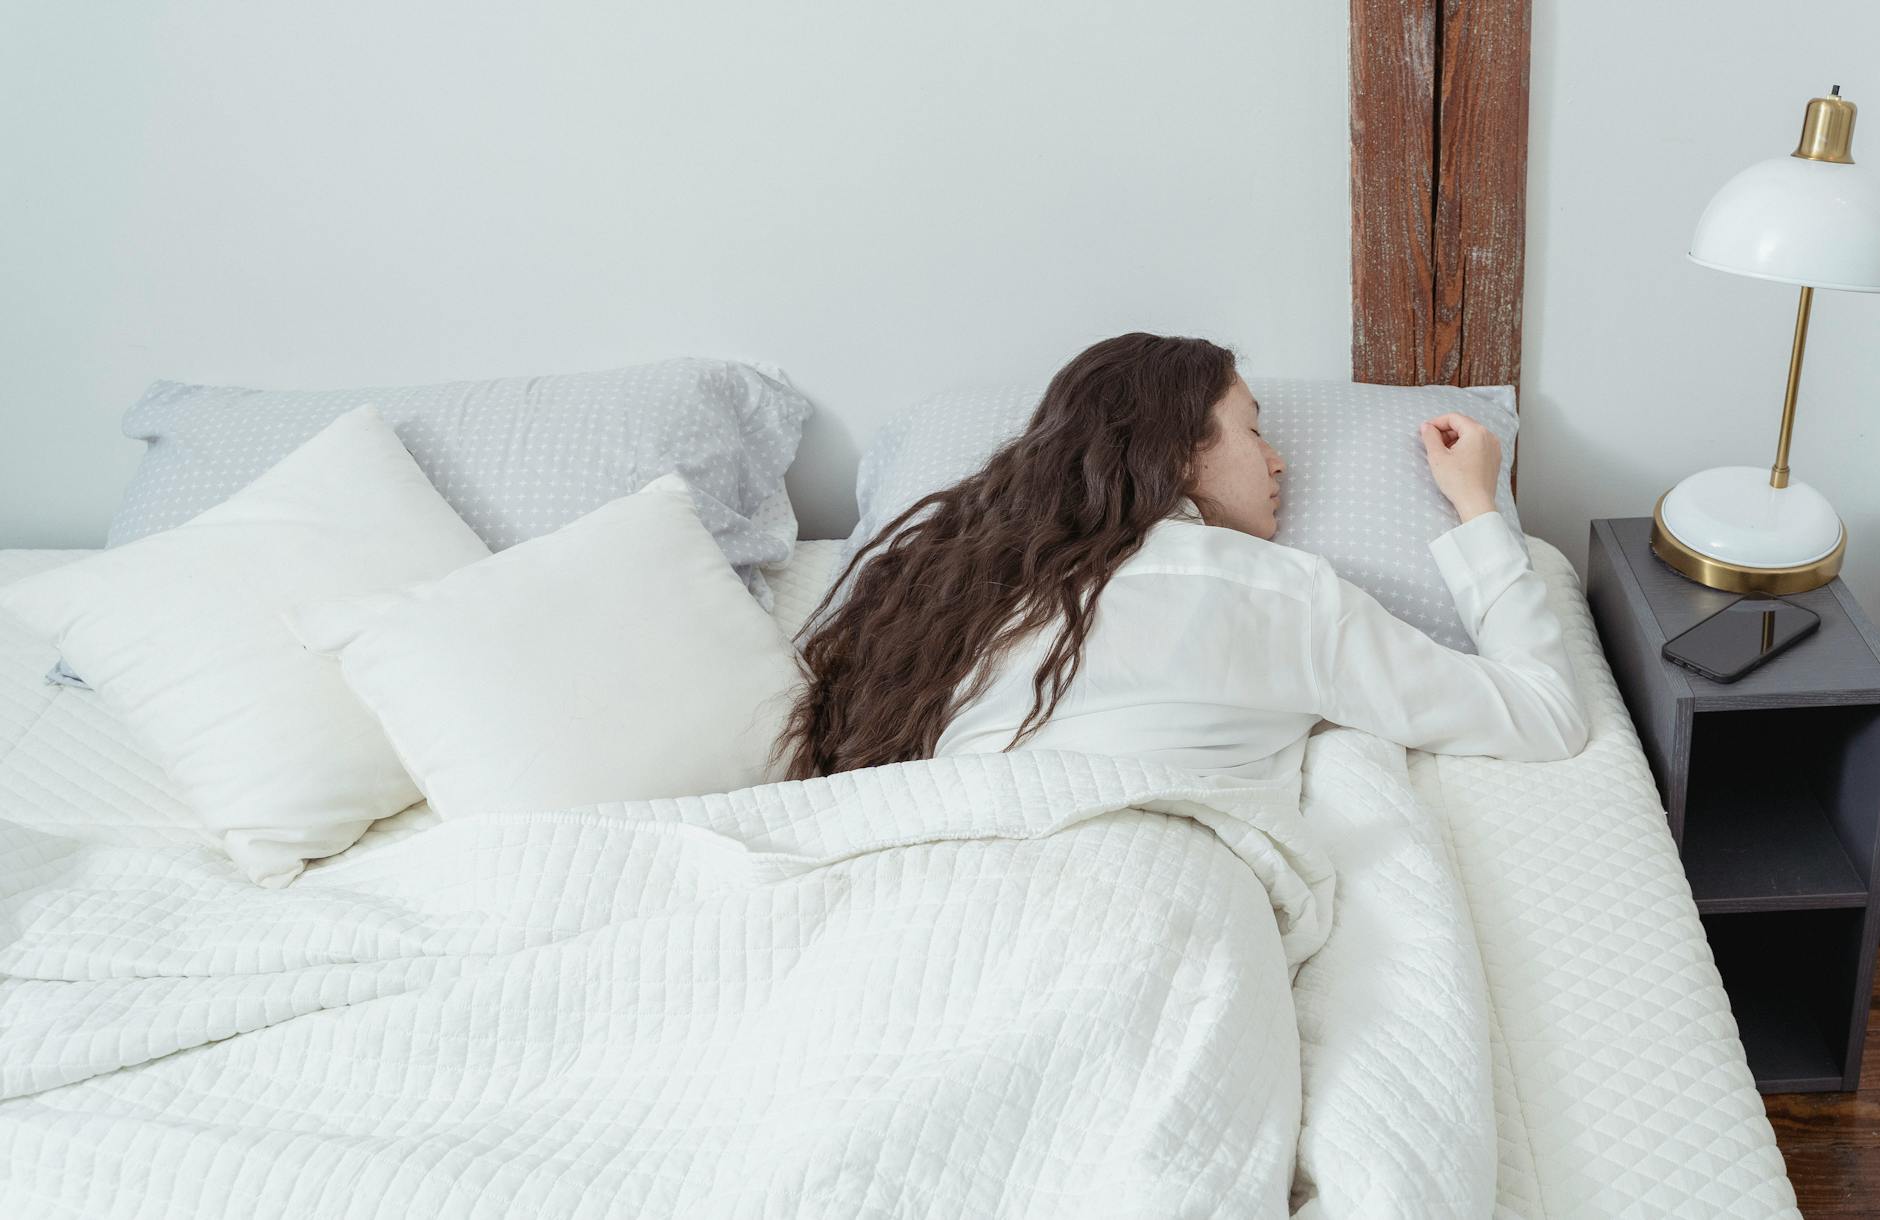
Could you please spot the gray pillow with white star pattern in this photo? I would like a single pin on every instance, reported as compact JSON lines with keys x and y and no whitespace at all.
{"x":517,"y":457}
{"x":1357,"y":488}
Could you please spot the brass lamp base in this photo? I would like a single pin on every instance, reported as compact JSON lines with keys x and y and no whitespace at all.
{"x":1721,"y":574}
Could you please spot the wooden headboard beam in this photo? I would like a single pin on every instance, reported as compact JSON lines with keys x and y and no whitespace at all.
{"x":1439,"y":107}
{"x":1481,"y":196}
{"x":1393,"y":149}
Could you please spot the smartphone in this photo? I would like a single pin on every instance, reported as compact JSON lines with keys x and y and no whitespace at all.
{"x":1741,"y":636}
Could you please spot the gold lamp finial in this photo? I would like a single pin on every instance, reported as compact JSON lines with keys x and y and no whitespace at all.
{"x":1828,"y":130}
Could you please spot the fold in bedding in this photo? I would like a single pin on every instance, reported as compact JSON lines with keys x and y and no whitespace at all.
{"x":1026,"y":985}
{"x":1393,"y":1014}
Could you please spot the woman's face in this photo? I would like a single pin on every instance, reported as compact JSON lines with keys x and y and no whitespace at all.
{"x":1238,"y":472}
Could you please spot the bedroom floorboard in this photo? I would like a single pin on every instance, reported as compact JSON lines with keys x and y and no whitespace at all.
{"x":1831,"y":1141}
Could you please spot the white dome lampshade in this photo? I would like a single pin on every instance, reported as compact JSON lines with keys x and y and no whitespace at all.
{"x":1796,"y":222}
{"x":1812,"y":219}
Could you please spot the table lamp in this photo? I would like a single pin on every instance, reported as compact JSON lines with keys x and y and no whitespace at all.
{"x":1811,"y":218}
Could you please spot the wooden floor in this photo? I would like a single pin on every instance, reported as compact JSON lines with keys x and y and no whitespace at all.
{"x":1832,"y":1140}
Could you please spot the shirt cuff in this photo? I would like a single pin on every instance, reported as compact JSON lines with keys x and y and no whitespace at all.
{"x":1478,"y":559}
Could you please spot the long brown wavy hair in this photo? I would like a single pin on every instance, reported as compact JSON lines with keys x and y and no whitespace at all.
{"x":948,"y":587}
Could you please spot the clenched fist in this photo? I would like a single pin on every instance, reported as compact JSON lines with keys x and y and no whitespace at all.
{"x":1465,"y":457}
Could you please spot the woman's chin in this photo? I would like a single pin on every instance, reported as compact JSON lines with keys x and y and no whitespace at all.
{"x":1259,"y":527}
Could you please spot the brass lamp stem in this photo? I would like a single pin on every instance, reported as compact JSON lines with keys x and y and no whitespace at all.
{"x":1779,"y":474}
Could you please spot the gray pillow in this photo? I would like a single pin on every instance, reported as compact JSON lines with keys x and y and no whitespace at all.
{"x":517,"y":457}
{"x":1357,"y":489}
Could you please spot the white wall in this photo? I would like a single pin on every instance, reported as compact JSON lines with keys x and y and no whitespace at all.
{"x":1640,"y":366}
{"x":885,"y":198}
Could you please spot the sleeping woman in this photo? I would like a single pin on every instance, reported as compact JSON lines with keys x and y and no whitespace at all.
{"x":1108,"y":584}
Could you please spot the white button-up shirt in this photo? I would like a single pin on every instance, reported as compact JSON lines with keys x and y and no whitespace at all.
{"x":1219,"y":652}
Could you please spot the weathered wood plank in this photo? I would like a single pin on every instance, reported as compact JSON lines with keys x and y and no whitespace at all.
{"x":1393,"y":145}
{"x":1480,"y":229}
{"x":1439,"y":110}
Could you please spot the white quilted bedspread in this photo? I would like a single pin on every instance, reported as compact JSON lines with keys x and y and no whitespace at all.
{"x":1515,"y":1011}
{"x":1021,"y":985}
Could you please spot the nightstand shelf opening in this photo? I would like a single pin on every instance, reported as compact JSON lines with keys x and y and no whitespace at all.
{"x":1788,"y":975}
{"x":1777,"y":817}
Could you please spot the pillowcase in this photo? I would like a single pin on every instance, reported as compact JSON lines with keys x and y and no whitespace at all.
{"x":615,"y":659}
{"x":516,"y":457}
{"x":938,"y":442}
{"x":1357,"y":488}
{"x":181,"y":635}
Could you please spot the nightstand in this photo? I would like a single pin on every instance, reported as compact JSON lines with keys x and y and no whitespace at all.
{"x":1772,"y":787}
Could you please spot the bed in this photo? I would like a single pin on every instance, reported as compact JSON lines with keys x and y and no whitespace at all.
{"x":1602,"y":1072}
{"x":1516,"y":1012}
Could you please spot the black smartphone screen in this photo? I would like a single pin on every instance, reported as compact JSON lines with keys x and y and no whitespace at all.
{"x":1735,"y":639}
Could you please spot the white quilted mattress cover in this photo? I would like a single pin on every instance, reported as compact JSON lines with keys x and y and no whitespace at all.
{"x":1515,"y":949}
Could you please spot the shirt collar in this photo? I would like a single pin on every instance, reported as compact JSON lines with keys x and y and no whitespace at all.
{"x":1186,"y":510}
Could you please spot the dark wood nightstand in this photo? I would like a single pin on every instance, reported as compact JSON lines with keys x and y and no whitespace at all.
{"x":1772,"y":786}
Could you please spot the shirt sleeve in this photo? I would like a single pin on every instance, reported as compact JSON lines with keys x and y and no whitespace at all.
{"x":1516,"y":699}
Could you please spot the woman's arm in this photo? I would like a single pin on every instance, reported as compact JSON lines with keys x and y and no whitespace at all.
{"x":1517,"y":699}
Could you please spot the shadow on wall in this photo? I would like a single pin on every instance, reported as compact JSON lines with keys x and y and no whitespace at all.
{"x":1552,"y":506}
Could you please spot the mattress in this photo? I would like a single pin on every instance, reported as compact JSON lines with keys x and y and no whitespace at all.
{"x":1620,"y":1087}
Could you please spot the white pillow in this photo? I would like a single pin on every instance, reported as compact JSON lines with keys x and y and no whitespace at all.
{"x":180,"y":633}
{"x":617,"y":658}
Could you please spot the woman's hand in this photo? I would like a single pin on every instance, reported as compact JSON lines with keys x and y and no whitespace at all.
{"x":1465,"y":457}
